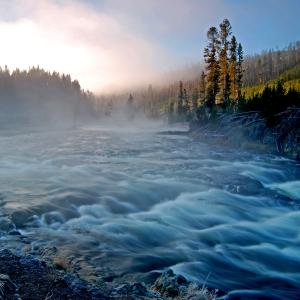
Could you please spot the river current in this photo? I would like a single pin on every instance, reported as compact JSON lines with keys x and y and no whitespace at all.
{"x":127,"y":204}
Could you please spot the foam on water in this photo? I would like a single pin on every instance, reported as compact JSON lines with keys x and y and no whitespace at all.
{"x":126,"y":205}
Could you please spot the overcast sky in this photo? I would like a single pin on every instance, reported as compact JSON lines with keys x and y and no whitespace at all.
{"x":107,"y":43}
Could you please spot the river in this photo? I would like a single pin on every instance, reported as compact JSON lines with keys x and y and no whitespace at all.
{"x":126,"y":204}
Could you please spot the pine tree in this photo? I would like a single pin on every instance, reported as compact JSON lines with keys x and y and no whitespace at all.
{"x":240,"y":70}
{"x":171,"y":111}
{"x":195,"y":97}
{"x":225,"y":32}
{"x":233,"y":68}
{"x":180,"y":108}
{"x":213,"y":68}
{"x":202,"y":87}
{"x":186,"y":102}
{"x":130,"y":100}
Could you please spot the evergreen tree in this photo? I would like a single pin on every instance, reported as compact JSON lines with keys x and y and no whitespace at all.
{"x":186,"y":102}
{"x":233,"y":68}
{"x":131,"y":110}
{"x":130,"y":100}
{"x":171,"y":111}
{"x":202,"y":88}
{"x":224,"y":34}
{"x":109,"y":108}
{"x":195,"y":97}
{"x":180,"y":107}
{"x":213,"y":68}
{"x":240,"y":70}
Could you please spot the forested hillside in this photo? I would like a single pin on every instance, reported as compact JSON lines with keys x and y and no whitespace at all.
{"x":36,"y":98}
{"x":259,"y":70}
{"x":259,"y":94}
{"x":271,"y":64}
{"x":290,"y":79}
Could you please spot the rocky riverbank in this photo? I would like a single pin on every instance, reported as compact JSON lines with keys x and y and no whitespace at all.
{"x":29,"y":278}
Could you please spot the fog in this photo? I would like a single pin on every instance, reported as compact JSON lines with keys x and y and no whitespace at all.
{"x":107,"y":46}
{"x":93,"y":47}
{"x":113,"y":171}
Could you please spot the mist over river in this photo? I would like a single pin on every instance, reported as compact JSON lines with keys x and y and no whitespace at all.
{"x":127,"y":204}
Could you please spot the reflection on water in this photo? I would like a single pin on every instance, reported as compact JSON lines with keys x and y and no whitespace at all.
{"x":126,"y":205}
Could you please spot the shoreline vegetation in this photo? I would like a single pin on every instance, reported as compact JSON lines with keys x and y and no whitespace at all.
{"x":269,"y":118}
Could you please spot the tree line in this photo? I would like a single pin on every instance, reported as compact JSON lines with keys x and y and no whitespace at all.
{"x":220,"y":85}
{"x":270,"y":64}
{"x":35,"y":97}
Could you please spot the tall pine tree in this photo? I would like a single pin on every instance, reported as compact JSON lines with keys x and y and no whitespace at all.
{"x":212,"y":67}
{"x":240,"y":70}
{"x":233,"y":69}
{"x":225,"y":32}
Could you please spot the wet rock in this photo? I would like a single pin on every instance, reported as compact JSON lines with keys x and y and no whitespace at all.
{"x":133,"y":291}
{"x":26,"y":273}
{"x":19,"y":218}
{"x":14,"y":232}
{"x":170,"y":285}
{"x":8,"y":290}
{"x":245,"y":186}
{"x":6,"y":225}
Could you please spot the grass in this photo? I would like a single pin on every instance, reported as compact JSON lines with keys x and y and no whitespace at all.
{"x":194,"y":293}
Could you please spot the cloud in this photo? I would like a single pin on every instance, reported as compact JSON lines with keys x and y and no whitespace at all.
{"x":71,"y":37}
{"x":116,"y":43}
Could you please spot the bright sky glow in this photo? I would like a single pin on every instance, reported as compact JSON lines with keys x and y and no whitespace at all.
{"x":113,"y":43}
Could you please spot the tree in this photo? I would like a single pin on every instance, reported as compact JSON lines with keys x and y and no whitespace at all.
{"x":186,"y":102}
{"x":171,"y":111}
{"x":130,"y":108}
{"x":240,"y":70}
{"x":213,"y":68}
{"x":195,"y":97}
{"x":180,"y":108}
{"x":109,"y":108}
{"x":233,"y":68}
{"x":39,"y":98}
{"x":202,"y":87}
{"x":130,"y":100}
{"x":224,"y":34}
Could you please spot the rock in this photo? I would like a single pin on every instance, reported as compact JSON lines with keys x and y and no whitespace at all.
{"x":133,"y":291}
{"x":170,"y":285}
{"x":7,"y":288}
{"x":29,"y":278}
{"x":14,"y":232}
{"x":26,"y":273}
{"x":6,"y":225}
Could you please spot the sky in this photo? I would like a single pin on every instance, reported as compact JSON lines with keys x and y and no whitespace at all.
{"x":110,"y":44}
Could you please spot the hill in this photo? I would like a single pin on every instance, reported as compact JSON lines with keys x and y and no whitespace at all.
{"x":290,"y":79}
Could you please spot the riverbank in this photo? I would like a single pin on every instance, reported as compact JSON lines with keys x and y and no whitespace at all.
{"x":25,"y":277}
{"x":251,"y":132}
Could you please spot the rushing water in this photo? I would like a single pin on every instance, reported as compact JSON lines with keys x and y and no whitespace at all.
{"x":128,"y":204}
